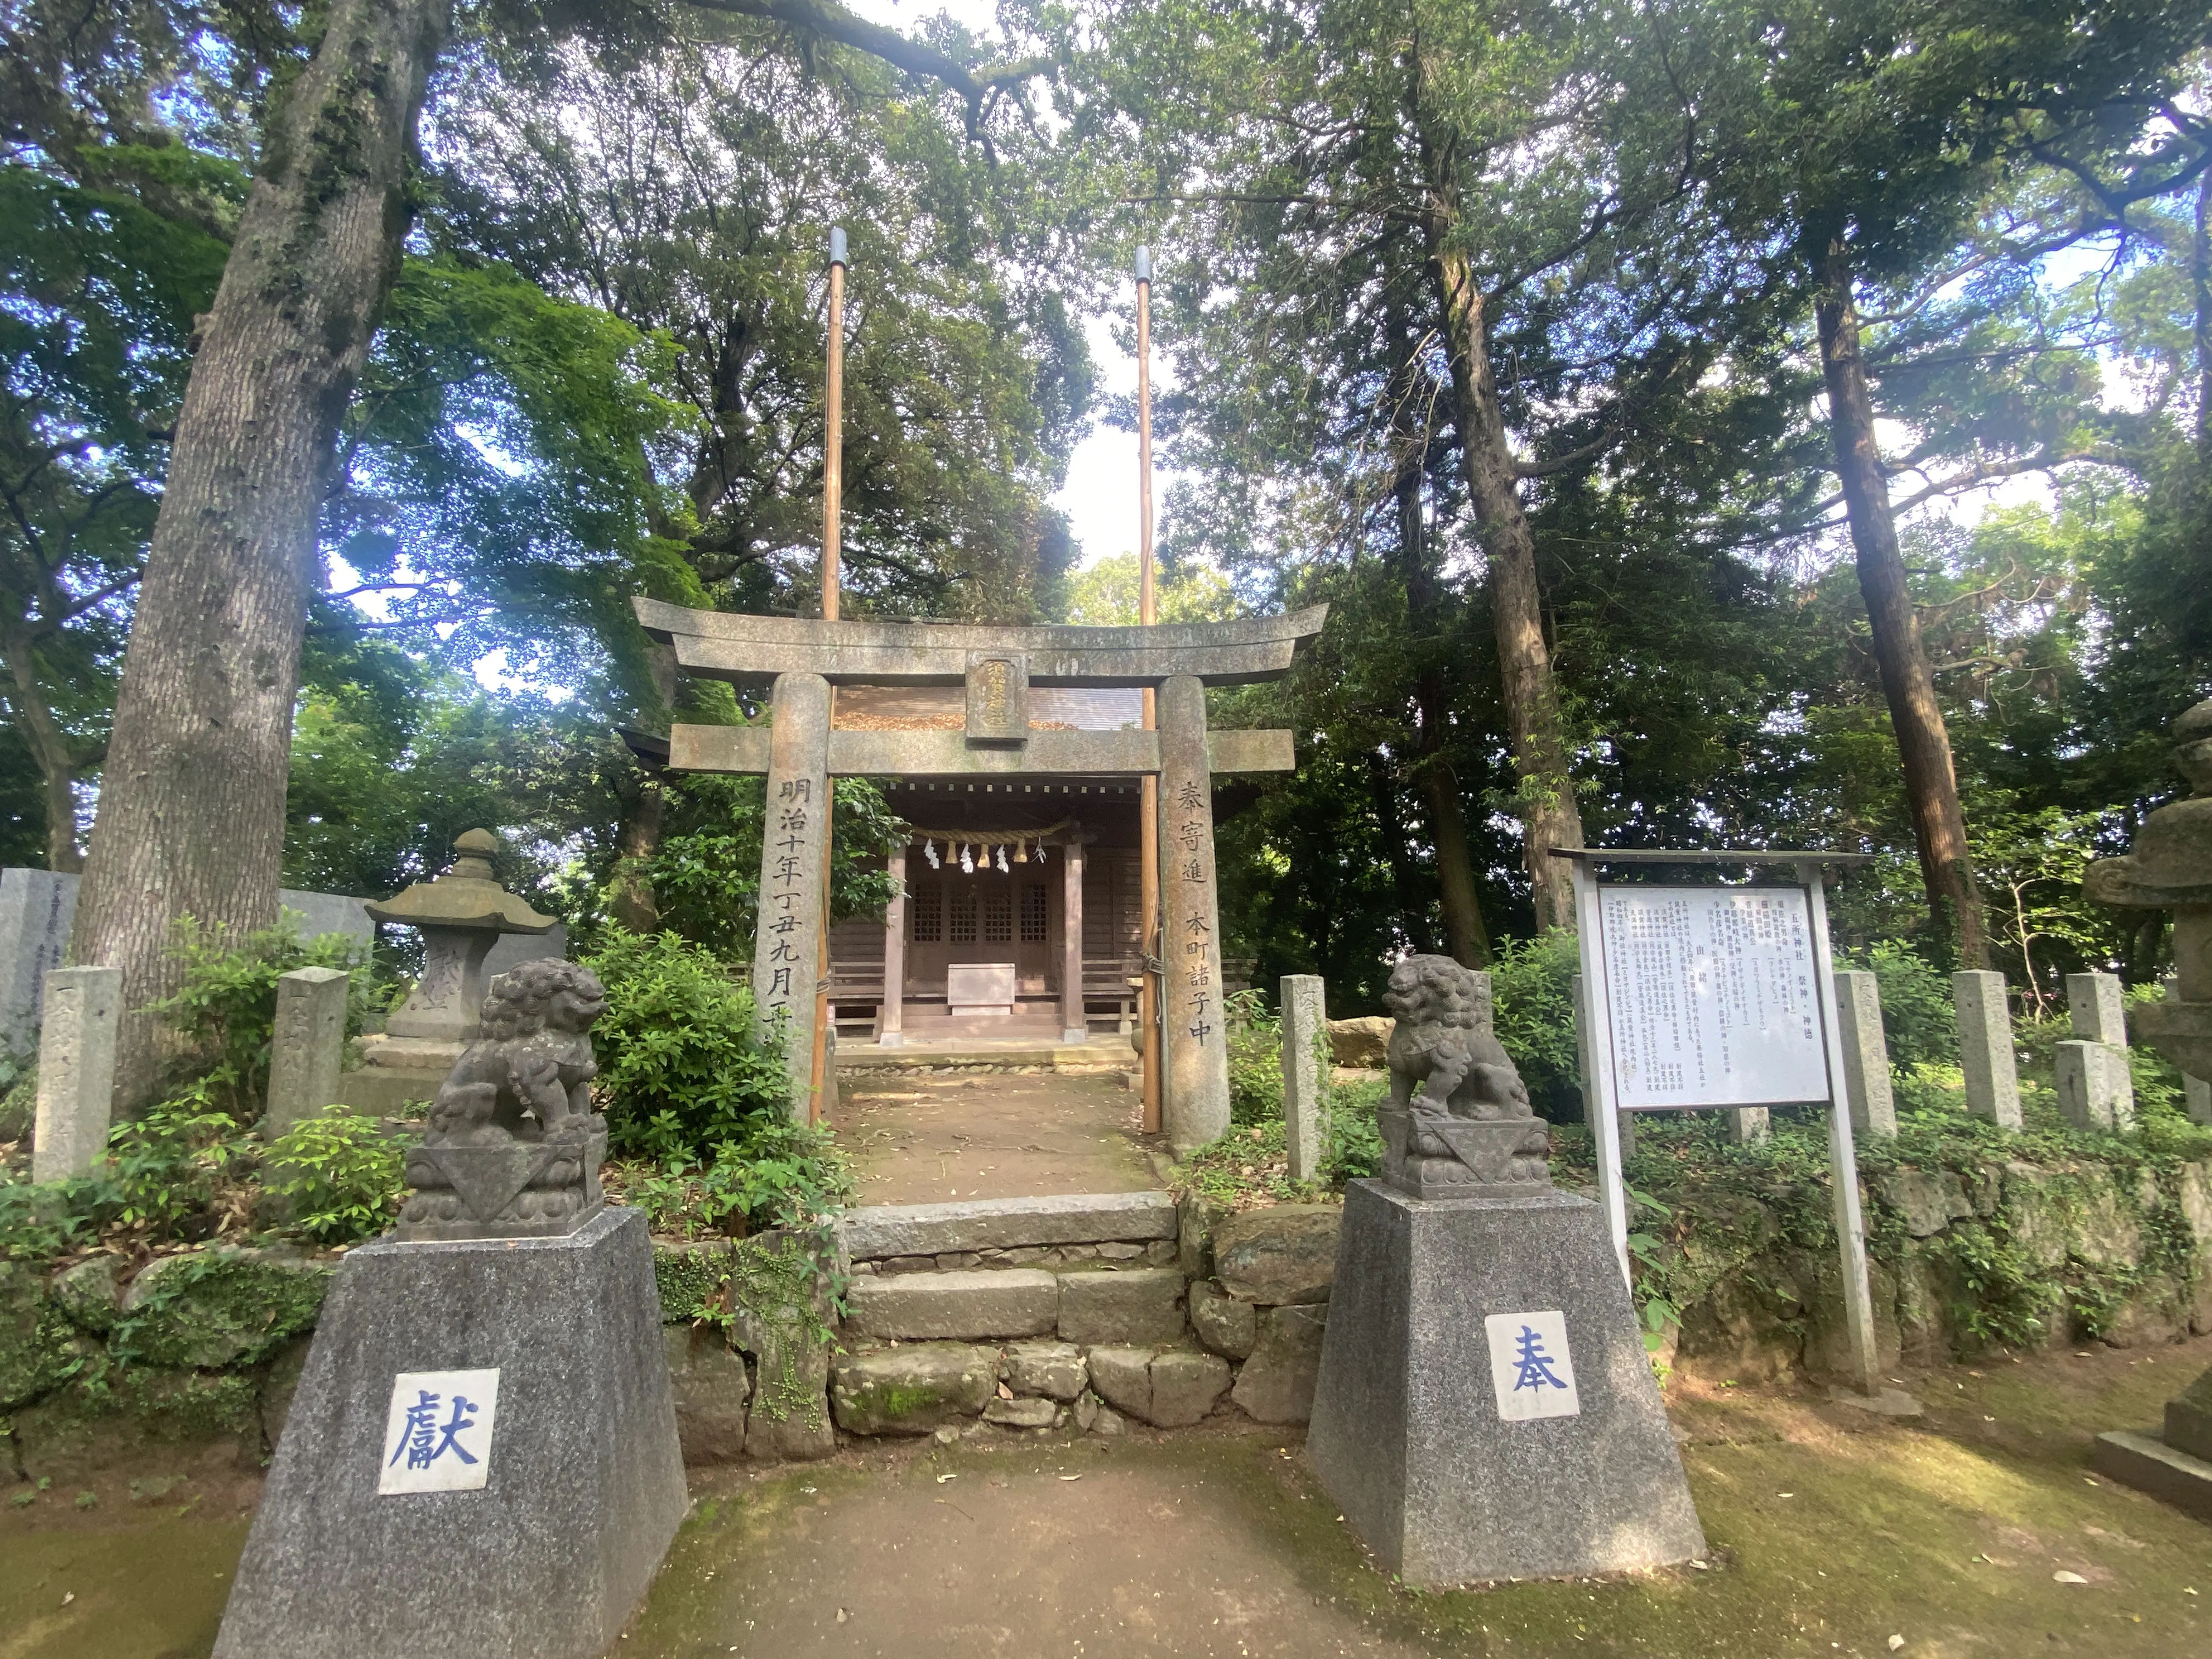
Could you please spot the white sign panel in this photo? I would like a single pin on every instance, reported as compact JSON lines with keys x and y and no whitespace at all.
{"x":1713,"y":996}
{"x":1530,"y":1368}
{"x":437,"y":1433}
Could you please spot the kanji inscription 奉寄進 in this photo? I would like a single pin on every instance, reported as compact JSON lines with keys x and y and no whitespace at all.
{"x":1201,"y":996}
{"x":438,"y":1431}
{"x":1713,"y":996}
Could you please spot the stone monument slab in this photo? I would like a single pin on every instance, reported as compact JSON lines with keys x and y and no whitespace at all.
{"x":544,"y":1544}
{"x":1985,"y":1053}
{"x":306,"y":1049}
{"x":76,"y":1070}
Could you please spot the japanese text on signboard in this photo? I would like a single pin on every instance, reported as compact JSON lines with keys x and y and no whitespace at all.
{"x":1713,"y":996}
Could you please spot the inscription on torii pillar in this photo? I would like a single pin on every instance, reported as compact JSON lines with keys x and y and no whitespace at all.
{"x":801,"y":658}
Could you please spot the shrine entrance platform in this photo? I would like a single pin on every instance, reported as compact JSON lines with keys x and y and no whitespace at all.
{"x":938,"y":1137}
{"x":972,"y":1043}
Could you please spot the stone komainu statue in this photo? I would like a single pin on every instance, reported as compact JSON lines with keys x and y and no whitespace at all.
{"x":1458,"y":1123}
{"x":513,"y":1147}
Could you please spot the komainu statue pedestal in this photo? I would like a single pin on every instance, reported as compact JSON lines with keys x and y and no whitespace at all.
{"x":480,"y":1458}
{"x":1486,"y":1408}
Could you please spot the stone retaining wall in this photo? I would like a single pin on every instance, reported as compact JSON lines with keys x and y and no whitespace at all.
{"x":962,"y":1316}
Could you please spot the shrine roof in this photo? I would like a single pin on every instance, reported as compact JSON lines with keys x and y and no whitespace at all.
{"x":735,"y":646}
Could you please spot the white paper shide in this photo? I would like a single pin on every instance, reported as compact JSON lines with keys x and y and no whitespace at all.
{"x":1715,"y":997}
{"x":438,"y":1431}
{"x":1531,"y":1367}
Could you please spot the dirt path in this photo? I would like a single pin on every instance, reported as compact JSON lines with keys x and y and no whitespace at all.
{"x":1831,"y":1531}
{"x":932,"y":1137}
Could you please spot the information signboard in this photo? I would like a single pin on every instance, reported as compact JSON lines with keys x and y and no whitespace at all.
{"x":1715,"y":997}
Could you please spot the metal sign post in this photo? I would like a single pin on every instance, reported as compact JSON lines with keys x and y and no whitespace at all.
{"x":1790,"y":1052}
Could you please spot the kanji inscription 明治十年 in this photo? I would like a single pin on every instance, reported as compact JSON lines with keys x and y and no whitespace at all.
{"x":1713,"y":996}
{"x":792,"y":848}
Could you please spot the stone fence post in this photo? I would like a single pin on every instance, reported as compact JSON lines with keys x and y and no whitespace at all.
{"x":1985,"y":1053}
{"x":76,"y":1070}
{"x":1866,"y":1053}
{"x":307,"y":1050}
{"x":2094,"y":1088}
{"x":1305,"y":1039}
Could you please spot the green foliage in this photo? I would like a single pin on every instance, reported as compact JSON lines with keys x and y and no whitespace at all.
{"x":1919,"y":1021}
{"x":1255,"y":1060}
{"x":1352,"y":1140}
{"x":680,"y":1071}
{"x":706,"y":876}
{"x":1532,"y":990}
{"x":340,"y":1175}
{"x":779,"y":1173}
{"x":168,"y":1168}
{"x":225,"y":1009}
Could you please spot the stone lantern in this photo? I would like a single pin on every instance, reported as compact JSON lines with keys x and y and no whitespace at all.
{"x":2170,"y":868}
{"x":460,"y":916}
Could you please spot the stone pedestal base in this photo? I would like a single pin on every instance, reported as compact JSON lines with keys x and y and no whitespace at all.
{"x":583,"y":1482}
{"x":1409,"y":1434}
{"x":2143,"y":1460}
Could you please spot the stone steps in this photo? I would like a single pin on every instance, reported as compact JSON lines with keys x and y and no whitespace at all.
{"x":1098,"y":1057}
{"x":1132,"y":1305}
{"x":909,"y":1233}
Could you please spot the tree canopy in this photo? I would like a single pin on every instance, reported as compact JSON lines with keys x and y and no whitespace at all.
{"x":1711,"y":424}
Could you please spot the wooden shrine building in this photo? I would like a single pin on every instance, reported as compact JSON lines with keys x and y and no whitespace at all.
{"x":1015,"y":756}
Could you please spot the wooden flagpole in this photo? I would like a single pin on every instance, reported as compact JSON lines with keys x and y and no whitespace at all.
{"x":1148,"y":829}
{"x":833,"y":502}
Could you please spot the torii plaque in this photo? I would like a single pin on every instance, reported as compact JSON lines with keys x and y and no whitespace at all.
{"x":801,"y":658}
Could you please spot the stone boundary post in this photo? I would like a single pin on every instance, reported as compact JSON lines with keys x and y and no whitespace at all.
{"x":1986,"y":1046}
{"x":1305,"y":1039}
{"x":2096,"y":1006}
{"x":2094,"y":1088}
{"x":1866,"y":1053}
{"x":76,"y":1070}
{"x":307,"y":1051}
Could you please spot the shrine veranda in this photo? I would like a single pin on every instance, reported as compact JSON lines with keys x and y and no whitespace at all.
{"x":1025,"y":748}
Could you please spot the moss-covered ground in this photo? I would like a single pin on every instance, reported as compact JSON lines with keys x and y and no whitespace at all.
{"x":1831,"y":1531}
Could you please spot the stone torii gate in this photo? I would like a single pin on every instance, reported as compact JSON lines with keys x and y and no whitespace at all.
{"x":802,"y":658}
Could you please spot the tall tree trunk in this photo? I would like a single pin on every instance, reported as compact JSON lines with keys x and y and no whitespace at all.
{"x":1468,"y":939}
{"x":191,"y":813}
{"x":1924,"y":746}
{"x":1549,"y":815}
{"x":630,"y":898}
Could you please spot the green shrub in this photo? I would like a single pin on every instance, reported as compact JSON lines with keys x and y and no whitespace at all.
{"x":1352,"y":1149}
{"x":780,"y":1174}
{"x":1532,"y":989}
{"x":1919,"y":1020}
{"x":341,"y":1175}
{"x":1255,"y":1060}
{"x":680,"y":1073}
{"x":225,"y":1009}
{"x":164,"y":1175}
